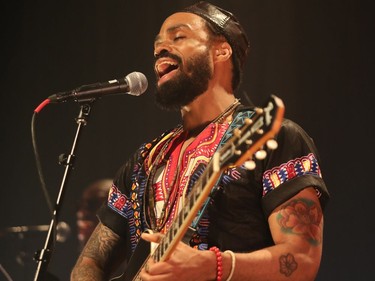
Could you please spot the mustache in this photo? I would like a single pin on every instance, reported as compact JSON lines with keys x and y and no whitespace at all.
{"x":166,"y":54}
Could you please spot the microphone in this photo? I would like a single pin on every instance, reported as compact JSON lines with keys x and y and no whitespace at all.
{"x":133,"y":84}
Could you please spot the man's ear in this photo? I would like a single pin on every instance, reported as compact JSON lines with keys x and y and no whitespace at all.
{"x":223,"y":52}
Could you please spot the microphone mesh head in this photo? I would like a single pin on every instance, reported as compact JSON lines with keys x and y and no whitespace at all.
{"x":137,"y":82}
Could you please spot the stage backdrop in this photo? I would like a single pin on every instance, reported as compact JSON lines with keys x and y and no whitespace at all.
{"x":316,"y":55}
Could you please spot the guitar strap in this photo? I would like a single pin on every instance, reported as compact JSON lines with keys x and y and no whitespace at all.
{"x":238,"y":121}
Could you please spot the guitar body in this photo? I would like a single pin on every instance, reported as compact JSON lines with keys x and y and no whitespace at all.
{"x":140,"y":255}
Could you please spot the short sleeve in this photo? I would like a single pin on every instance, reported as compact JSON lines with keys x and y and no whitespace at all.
{"x":113,"y":214}
{"x":292,"y":167}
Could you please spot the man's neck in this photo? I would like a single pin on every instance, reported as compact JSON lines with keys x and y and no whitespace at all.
{"x":205,"y":108}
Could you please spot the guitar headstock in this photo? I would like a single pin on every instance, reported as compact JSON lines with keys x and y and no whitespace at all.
{"x":257,"y":131}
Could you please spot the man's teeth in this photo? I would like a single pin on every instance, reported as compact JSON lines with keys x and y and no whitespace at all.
{"x":165,"y":67}
{"x":166,"y":62}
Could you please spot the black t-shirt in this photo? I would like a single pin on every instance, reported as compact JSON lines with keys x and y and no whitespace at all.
{"x":236,"y":217}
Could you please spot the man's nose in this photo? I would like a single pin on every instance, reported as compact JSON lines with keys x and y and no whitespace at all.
{"x":162,"y":47}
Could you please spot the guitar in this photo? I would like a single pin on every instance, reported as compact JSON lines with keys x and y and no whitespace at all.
{"x":246,"y":142}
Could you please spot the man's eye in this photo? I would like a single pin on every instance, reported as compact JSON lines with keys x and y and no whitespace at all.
{"x":179,"y":38}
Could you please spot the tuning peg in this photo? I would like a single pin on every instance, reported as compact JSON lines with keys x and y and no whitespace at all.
{"x":260,"y":131}
{"x":237,"y":132}
{"x":272,"y":144}
{"x":250,"y":165}
{"x":238,"y":152}
{"x":248,"y":121}
{"x":249,"y":142}
{"x":260,"y":154}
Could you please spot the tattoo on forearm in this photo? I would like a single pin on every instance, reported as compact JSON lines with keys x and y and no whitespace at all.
{"x":287,"y":264}
{"x":85,"y":272}
{"x":302,"y":217}
{"x":100,"y":246}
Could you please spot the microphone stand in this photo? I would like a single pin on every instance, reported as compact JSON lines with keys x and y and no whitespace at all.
{"x":43,"y":256}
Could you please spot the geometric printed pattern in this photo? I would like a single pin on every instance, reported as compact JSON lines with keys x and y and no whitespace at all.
{"x":118,"y":201}
{"x":306,"y":165}
{"x":129,"y":207}
{"x":178,"y":169}
{"x":237,"y":122}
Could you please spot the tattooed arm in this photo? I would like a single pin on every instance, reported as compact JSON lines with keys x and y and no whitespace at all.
{"x":101,"y":255}
{"x":296,"y":228}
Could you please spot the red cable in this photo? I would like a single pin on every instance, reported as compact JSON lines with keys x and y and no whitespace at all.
{"x":40,"y":106}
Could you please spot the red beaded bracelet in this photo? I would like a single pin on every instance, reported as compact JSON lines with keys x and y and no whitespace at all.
{"x":219,"y":263}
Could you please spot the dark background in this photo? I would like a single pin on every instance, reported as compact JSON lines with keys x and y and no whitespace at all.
{"x":318,"y":56}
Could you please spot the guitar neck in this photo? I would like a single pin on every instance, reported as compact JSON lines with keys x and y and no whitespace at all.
{"x":195,"y":200}
{"x":181,"y":223}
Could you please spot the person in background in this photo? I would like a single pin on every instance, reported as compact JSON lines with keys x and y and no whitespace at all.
{"x":92,"y":199}
{"x":262,"y":224}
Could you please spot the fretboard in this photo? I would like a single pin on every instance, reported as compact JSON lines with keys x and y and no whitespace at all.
{"x":192,"y":205}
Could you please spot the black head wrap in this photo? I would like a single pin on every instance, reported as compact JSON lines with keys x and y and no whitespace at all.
{"x":227,"y":25}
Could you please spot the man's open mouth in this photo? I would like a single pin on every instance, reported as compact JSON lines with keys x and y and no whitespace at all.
{"x":165,"y":66}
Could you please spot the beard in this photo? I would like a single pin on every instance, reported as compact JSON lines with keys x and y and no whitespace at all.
{"x":184,"y":88}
